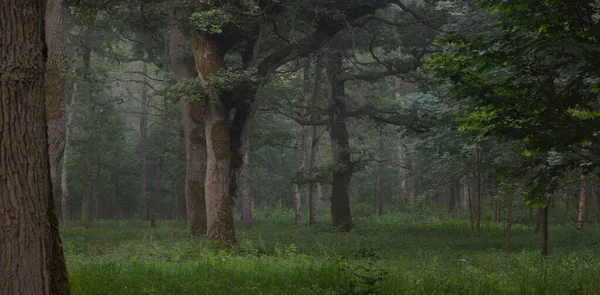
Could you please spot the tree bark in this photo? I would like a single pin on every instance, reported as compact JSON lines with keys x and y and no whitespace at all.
{"x":31,"y":255}
{"x":192,"y":121}
{"x":509,"y":219}
{"x":56,"y":80}
{"x":314,"y":193}
{"x":581,"y":205}
{"x":208,"y":54}
{"x":340,"y":146}
{"x":64,"y":184}
{"x":143,"y":199}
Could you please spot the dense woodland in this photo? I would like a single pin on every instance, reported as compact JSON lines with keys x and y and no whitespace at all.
{"x":299,"y":147}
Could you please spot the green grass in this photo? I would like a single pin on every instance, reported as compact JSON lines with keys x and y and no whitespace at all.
{"x":396,"y":254}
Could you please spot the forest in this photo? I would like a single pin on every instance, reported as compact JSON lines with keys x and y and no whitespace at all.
{"x":299,"y":147}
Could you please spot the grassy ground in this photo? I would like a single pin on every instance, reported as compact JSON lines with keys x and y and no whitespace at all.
{"x":395,"y":254}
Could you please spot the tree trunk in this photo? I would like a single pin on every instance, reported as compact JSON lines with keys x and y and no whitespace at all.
{"x":595,"y":201}
{"x":56,"y":80}
{"x":31,"y":255}
{"x":509,"y":219}
{"x":64,"y":184}
{"x":315,"y":188}
{"x":538,"y":222}
{"x":453,"y":196}
{"x":544,"y":214}
{"x":192,"y":121}
{"x":88,"y":108}
{"x":581,"y":205}
{"x":246,"y":178}
{"x":341,"y":216}
{"x":143,"y":199}
{"x":301,"y":157}
{"x":381,"y":150}
{"x":208,"y":56}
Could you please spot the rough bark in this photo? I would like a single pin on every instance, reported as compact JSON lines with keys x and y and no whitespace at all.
{"x":509,"y":219}
{"x":314,"y":193}
{"x":341,"y":216}
{"x":208,"y":55}
{"x":64,"y":184}
{"x":544,"y":218}
{"x":31,"y":256}
{"x":581,"y":205}
{"x":192,"y":121}
{"x":56,"y":79}
{"x":143,"y":210}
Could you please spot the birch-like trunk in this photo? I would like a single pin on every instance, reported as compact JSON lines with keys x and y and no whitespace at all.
{"x":581,"y":204}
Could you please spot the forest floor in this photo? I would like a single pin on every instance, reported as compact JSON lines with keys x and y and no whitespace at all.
{"x":395,"y":254}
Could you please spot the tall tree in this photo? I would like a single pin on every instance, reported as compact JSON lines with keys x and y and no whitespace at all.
{"x":192,"y":121}
{"x":64,"y":185}
{"x":31,"y":259}
{"x":56,"y":80}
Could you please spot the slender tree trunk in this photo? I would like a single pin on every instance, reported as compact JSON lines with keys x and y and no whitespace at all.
{"x":581,"y":205}
{"x":315,"y":188}
{"x":340,"y":147}
{"x":538,"y":221}
{"x":509,"y":219}
{"x":56,"y":81}
{"x":544,"y":250}
{"x":301,"y":157}
{"x":453,"y":195}
{"x":143,"y":209}
{"x":64,"y":184}
{"x":595,"y":201}
{"x":381,"y":150}
{"x":88,"y":108}
{"x":31,"y":255}
{"x":246,"y":178}
{"x":192,"y":121}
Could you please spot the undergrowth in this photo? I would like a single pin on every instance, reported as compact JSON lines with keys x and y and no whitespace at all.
{"x":398,"y":253}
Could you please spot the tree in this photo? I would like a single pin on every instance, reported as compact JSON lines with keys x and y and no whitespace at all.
{"x":192,"y":121}
{"x":31,"y":259}
{"x":56,"y":80}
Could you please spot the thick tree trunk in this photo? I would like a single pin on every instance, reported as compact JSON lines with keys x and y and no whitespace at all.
{"x":208,"y":55}
{"x":509,"y":219}
{"x":31,"y":255}
{"x":381,"y":150}
{"x":192,"y":121}
{"x":143,"y":210}
{"x":544,"y":250}
{"x":64,"y":184}
{"x":581,"y":204}
{"x":341,"y":216}
{"x":314,"y":193}
{"x":246,"y":178}
{"x":56,"y":80}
